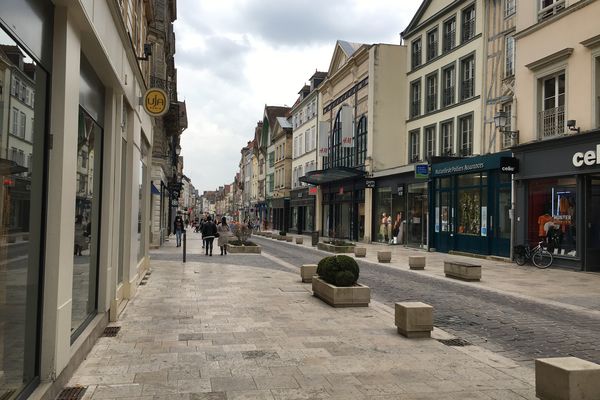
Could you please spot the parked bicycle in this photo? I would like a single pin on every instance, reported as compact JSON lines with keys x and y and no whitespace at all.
{"x":540,"y":257}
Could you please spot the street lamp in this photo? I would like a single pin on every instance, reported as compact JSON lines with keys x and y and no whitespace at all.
{"x":178,"y":150}
{"x":501,"y":121}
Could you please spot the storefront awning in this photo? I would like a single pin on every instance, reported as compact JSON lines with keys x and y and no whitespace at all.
{"x":330,"y":175}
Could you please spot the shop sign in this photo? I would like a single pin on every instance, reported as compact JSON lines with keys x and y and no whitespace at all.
{"x":370,"y":184}
{"x":156,"y":102}
{"x":400,"y":190}
{"x":174,"y":203}
{"x":509,"y":165}
{"x":421,"y":171}
{"x":347,"y":126}
{"x":323,"y":136}
{"x":588,"y":158}
{"x":312,"y":191}
{"x":469,"y":165}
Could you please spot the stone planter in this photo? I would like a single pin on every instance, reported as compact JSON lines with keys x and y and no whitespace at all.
{"x":414,"y":319}
{"x":416,"y":262}
{"x":268,"y":234}
{"x":233,"y":249}
{"x":289,"y":239}
{"x":299,"y":240}
{"x":279,"y":237}
{"x":307,"y":271}
{"x":384,"y":256}
{"x":462,"y":271}
{"x":335,"y":249}
{"x":360,"y":251}
{"x":352,"y":296}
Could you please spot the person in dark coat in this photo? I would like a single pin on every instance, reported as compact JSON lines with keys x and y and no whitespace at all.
{"x":224,"y":232}
{"x":178,"y":229}
{"x":209,"y":230}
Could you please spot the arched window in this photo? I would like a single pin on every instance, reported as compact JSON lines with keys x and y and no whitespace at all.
{"x":339,"y":156}
{"x":361,"y":141}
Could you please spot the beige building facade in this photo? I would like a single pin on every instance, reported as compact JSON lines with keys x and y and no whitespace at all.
{"x":557,"y":88}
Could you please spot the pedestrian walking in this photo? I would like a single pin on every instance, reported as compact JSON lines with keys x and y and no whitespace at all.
{"x":223,"y":230}
{"x":178,"y":229}
{"x":209,"y":232}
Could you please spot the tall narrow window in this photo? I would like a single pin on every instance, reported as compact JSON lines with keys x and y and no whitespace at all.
{"x":509,"y":50}
{"x":507,"y":109}
{"x":430,"y":142}
{"x":467,"y":67}
{"x":361,"y":141}
{"x":447,"y":139}
{"x":468,"y":23}
{"x":414,"y":153}
{"x":449,"y":40}
{"x":466,"y":135}
{"x":549,"y":8}
{"x":432,"y":44}
{"x":432,"y":84}
{"x":415,"y":99}
{"x":416,"y":49}
{"x":552,"y":115}
{"x":449,"y":82}
{"x":510,"y":7}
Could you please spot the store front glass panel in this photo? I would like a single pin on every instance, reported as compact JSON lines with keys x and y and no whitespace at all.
{"x":294,"y":222}
{"x":417,"y":215}
{"x":470,"y":205}
{"x":390,"y":228}
{"x":310,"y":216}
{"x":87,"y":212}
{"x":23,"y":85}
{"x":142,"y":193}
{"x":551,"y":214}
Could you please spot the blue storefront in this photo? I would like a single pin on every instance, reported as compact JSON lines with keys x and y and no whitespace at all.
{"x":470,"y":206}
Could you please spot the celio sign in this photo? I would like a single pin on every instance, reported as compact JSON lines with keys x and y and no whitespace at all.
{"x":588,"y":158}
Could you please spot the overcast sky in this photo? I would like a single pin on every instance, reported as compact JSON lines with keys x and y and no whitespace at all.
{"x":235,"y":56}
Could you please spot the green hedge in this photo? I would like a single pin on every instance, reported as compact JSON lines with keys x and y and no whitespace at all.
{"x":338,"y":270}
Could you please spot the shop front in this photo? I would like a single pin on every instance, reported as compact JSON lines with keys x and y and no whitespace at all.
{"x":558,"y":198}
{"x":470,"y":207}
{"x":281,"y":210}
{"x":302,"y":210}
{"x":343,"y":201}
{"x":401,"y":210}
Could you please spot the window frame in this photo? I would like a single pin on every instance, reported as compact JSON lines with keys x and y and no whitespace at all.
{"x":430,"y":139}
{"x":462,"y":61}
{"x":509,"y":59}
{"x":461,"y":139}
{"x":430,"y":105}
{"x":510,"y":8}
{"x":415,"y":106}
{"x":431,"y":55}
{"x":448,"y":45}
{"x":414,"y":148}
{"x":468,"y":26}
{"x":416,"y":56}
{"x":443,"y":149}
{"x":451,"y":66}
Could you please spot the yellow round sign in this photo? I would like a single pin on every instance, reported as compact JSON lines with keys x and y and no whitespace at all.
{"x":156,"y":102}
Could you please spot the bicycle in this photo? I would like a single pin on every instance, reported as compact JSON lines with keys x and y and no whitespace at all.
{"x":540,"y":257}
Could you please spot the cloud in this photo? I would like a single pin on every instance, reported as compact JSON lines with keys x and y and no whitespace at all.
{"x":235,"y":56}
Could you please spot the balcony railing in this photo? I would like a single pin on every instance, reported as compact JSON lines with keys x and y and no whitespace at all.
{"x":551,"y":10}
{"x":431,"y":102}
{"x":552,"y":122}
{"x":167,"y":86}
{"x":468,"y":30}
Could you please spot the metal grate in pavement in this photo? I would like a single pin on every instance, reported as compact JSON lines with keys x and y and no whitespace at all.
{"x":454,"y":342}
{"x":111,"y":331}
{"x":72,"y":393}
{"x":5,"y":395}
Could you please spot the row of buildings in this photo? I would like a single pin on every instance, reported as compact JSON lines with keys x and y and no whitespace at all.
{"x":91,"y":170}
{"x":479,"y":132}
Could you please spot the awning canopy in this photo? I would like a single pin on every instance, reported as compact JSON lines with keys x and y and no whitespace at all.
{"x":330,"y":175}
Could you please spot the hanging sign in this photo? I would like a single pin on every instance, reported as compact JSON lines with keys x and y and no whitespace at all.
{"x":156,"y":102}
{"x":421,"y":171}
{"x":370,"y":183}
{"x":347,"y":126}
{"x":323,"y":138}
{"x":312,"y":191}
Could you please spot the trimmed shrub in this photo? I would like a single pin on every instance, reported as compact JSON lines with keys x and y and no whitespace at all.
{"x":241,"y":232}
{"x":338,"y":270}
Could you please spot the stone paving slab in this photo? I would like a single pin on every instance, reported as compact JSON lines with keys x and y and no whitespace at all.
{"x":218,"y":331}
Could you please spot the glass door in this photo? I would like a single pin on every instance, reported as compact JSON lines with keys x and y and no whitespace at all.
{"x":417,"y":215}
{"x":592,"y":228}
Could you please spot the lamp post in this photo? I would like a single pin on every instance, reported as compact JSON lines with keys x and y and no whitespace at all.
{"x":501,"y":121}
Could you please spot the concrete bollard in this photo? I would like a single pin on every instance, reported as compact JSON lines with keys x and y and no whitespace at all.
{"x":360,"y":251}
{"x":289,"y":239}
{"x":416,"y":262}
{"x":299,"y":240}
{"x":384,"y":256}
{"x":307,"y":271}
{"x":566,"y":378}
{"x":414,"y":319}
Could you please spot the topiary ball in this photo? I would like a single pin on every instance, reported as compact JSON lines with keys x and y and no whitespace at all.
{"x":345,"y":278}
{"x":323,"y":265}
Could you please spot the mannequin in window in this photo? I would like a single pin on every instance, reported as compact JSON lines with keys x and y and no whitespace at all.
{"x":398,"y":230}
{"x":389,"y":238}
{"x":383,"y":228}
{"x":542,"y":221}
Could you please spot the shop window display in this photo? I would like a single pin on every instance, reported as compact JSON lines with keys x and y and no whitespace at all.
{"x":551,"y":215}
{"x":391,"y":215}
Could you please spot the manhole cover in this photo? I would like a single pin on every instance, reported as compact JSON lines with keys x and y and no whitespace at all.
{"x":72,"y":393}
{"x":454,"y":342}
{"x":111,"y":331}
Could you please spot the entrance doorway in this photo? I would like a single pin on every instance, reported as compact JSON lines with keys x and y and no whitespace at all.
{"x":417,"y":215}
{"x":592,"y":225}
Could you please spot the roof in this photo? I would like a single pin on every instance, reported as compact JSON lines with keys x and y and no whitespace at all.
{"x":319,"y":74}
{"x":349,"y":47}
{"x":283,"y":122}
